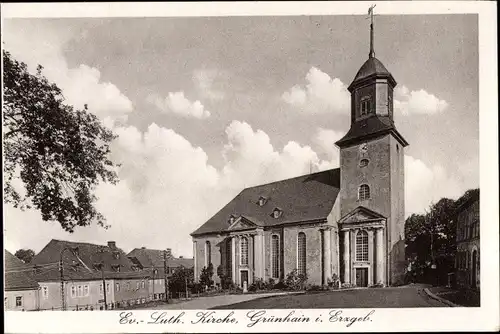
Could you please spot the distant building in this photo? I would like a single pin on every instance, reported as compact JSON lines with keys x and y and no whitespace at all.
{"x":347,"y":222}
{"x":467,"y":261}
{"x":21,"y":289}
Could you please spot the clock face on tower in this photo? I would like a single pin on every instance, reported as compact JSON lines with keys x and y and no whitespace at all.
{"x":363,"y":148}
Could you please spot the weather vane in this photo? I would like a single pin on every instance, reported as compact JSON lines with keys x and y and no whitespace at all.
{"x":372,"y":51}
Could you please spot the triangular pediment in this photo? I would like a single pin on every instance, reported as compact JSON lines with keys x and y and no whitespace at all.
{"x":361,"y":214}
{"x":241,"y":223}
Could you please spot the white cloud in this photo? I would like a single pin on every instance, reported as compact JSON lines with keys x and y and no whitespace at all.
{"x":80,"y":85}
{"x":417,"y":102}
{"x":178,"y":104}
{"x":320,"y":94}
{"x":205,"y":81}
{"x":425,"y":184}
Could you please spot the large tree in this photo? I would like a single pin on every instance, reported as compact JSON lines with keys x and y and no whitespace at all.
{"x":25,"y":255}
{"x":59,"y":153}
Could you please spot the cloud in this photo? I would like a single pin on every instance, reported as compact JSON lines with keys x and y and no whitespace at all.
{"x":38,"y":44}
{"x":424,"y":184}
{"x":177,"y":103}
{"x":417,"y":102}
{"x":206,"y":83}
{"x":320,"y":94}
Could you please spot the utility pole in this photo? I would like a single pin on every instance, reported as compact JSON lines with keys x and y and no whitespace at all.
{"x":104,"y":286}
{"x":165,"y":273}
{"x":63,"y":299}
{"x":186,"y":282}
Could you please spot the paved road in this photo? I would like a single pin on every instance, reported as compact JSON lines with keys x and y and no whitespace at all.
{"x":203,"y":303}
{"x":397,"y":297}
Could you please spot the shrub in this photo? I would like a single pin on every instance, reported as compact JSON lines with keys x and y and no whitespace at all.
{"x":295,"y":281}
{"x":315,"y":287}
{"x":347,"y":285}
{"x":206,"y":275}
{"x":280,"y":286}
{"x":333,"y":282}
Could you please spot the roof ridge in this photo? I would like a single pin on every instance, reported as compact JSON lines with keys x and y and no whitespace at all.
{"x":291,"y":178}
{"x":79,"y":242}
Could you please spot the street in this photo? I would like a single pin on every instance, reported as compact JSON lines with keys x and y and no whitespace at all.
{"x":396,"y":297}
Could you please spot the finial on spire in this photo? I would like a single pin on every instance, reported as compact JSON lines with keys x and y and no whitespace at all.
{"x":372,"y":51}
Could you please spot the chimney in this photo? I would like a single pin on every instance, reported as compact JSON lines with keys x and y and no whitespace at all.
{"x":112,"y":244}
{"x":181,"y":257}
{"x":143,"y":247}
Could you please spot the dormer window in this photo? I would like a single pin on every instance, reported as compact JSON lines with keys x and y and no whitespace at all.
{"x":115,"y":267}
{"x":116,"y":255}
{"x":365,"y":107}
{"x":262,"y":201}
{"x":232,"y":218}
{"x":277,"y":212}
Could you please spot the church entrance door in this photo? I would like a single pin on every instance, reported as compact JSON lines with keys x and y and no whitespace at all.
{"x":362,"y":277}
{"x":244,"y":277}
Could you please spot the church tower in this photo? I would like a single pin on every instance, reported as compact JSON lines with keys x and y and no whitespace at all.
{"x":372,"y":173}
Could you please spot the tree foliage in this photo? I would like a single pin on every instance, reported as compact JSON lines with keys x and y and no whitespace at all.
{"x":206,"y":275}
{"x":59,"y":153}
{"x":431,"y":238}
{"x":182,"y":276}
{"x":25,"y":255}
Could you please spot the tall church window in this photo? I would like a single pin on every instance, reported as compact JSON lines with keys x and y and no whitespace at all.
{"x":364,"y":192}
{"x":301,"y":253}
{"x":365,"y":108}
{"x":244,"y":251}
{"x":229,"y":259}
{"x":362,"y":246}
{"x":208,"y":254}
{"x":275,"y":260}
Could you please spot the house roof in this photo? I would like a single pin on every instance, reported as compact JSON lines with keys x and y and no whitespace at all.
{"x":149,"y":258}
{"x":304,"y":198}
{"x":371,"y":127}
{"x":82,"y":265}
{"x":371,"y":68}
{"x":18,"y":275}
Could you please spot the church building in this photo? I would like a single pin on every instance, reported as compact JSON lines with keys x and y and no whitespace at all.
{"x":347,"y":221}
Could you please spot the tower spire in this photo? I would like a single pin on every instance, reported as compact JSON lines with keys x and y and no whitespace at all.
{"x":372,"y":51}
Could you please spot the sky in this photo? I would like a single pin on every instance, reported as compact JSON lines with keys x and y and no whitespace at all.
{"x":205,"y":106}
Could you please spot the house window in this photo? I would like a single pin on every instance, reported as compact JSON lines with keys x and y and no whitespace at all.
{"x":229,"y":259}
{"x":108,"y":287}
{"x":85,"y":290}
{"x":80,"y":291}
{"x":363,"y":192}
{"x":73,"y":291}
{"x":362,"y":246}
{"x":143,"y":284}
{"x":244,"y":251}
{"x":363,"y":163}
{"x":45,"y":292}
{"x":117,"y":286}
{"x":138,"y":285}
{"x":365,"y":105}
{"x":301,"y":253}
{"x":19,"y":301}
{"x":275,"y":260}
{"x":5,"y":303}
{"x":208,"y":254}
{"x":101,"y":287}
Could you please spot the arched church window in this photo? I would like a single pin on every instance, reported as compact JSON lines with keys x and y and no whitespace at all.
{"x":275,"y":260}
{"x":363,"y":192}
{"x":301,"y":253}
{"x":365,"y":107}
{"x":244,"y":251}
{"x":208,"y":253}
{"x":363,"y":163}
{"x":229,"y":259}
{"x":362,"y":246}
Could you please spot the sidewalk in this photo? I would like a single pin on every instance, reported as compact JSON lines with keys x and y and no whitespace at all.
{"x":215,"y":301}
{"x":458,"y":297}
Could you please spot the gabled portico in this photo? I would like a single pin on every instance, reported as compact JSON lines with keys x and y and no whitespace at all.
{"x":363,"y":247}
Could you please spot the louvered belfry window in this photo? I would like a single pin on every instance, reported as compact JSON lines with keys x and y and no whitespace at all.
{"x":362,"y":246}
{"x":301,"y":253}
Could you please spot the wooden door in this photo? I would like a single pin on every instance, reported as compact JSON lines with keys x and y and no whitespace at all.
{"x":362,"y":277}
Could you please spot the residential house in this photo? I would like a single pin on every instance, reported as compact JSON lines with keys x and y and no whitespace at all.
{"x":152,"y":261}
{"x":467,"y":261}
{"x":21,"y":289}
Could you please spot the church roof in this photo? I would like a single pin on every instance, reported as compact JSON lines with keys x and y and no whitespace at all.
{"x":371,"y":127}
{"x":371,"y":68}
{"x":304,"y":198}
